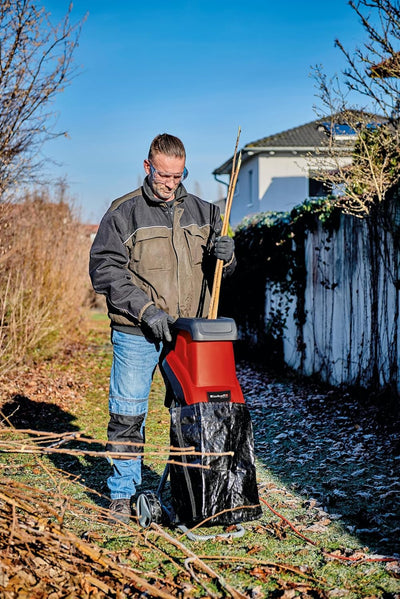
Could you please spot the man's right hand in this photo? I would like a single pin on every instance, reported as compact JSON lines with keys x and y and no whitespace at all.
{"x":158,"y":322}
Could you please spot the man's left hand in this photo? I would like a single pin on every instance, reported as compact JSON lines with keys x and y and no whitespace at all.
{"x":223,"y":248}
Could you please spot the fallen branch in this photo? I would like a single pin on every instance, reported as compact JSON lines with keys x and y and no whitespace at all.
{"x":195,"y":558}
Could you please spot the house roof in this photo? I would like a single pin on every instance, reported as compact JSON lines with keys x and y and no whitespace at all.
{"x":310,"y":134}
{"x":307,"y":138}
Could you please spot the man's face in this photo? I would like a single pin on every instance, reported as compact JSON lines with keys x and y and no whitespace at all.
{"x":165,"y":174}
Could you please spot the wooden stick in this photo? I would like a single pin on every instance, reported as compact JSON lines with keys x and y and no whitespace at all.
{"x":213,"y":309}
{"x":225,"y":225}
{"x":231,"y":179}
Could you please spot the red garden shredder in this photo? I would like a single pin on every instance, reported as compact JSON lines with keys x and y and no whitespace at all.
{"x":216,"y":479}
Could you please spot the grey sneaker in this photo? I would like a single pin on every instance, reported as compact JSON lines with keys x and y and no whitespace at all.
{"x":120,"y":509}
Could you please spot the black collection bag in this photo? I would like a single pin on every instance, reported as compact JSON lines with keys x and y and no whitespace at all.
{"x":221,"y":489}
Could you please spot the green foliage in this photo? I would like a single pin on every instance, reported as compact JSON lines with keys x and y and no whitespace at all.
{"x":376,"y":163}
{"x":270,"y":249}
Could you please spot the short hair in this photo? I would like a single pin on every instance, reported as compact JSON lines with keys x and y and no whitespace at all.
{"x":168,"y":145}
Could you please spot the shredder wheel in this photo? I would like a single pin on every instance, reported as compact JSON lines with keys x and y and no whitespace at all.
{"x":148,"y":509}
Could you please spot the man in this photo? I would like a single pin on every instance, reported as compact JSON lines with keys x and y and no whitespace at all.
{"x":153,"y":258}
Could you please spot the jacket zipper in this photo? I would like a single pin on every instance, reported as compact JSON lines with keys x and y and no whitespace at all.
{"x":171,"y":211}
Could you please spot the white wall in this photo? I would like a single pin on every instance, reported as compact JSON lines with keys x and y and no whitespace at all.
{"x":283,"y":182}
{"x":245,"y":201}
{"x":278,"y":184}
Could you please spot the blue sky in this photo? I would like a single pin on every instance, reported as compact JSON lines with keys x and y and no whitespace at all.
{"x":198,"y":70}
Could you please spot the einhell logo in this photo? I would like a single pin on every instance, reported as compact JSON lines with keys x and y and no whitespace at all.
{"x":219,"y":396}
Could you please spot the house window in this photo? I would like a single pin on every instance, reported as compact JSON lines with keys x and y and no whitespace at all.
{"x":318,"y":189}
{"x":250,"y":198}
{"x":342,"y":131}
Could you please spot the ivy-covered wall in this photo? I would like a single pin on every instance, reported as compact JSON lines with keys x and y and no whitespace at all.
{"x":318,"y":290}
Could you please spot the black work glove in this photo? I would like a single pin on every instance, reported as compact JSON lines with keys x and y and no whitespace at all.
{"x":158,"y":323}
{"x":223,"y":248}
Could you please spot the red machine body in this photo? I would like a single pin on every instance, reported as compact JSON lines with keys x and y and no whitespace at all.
{"x":201,"y":367}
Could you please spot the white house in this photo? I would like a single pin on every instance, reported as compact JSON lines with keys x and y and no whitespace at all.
{"x":278,"y":171}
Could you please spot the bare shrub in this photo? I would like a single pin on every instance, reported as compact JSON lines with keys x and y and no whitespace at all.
{"x":43,"y":277}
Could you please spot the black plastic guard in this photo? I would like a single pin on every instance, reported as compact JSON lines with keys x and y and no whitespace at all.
{"x":230,"y":481}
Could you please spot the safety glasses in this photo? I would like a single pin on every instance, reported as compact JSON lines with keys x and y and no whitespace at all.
{"x":165,"y":176}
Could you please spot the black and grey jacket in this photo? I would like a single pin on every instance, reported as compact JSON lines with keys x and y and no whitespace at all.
{"x":148,"y":251}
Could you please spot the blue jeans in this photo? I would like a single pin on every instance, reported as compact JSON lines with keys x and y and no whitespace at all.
{"x":134,"y":361}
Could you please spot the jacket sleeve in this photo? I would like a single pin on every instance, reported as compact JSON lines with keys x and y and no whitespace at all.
{"x":108,"y":269}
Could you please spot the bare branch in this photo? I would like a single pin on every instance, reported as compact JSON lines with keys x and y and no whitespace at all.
{"x":35,"y":65}
{"x":372,"y":73}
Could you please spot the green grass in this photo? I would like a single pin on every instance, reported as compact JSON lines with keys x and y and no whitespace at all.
{"x":269,"y":560}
